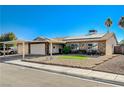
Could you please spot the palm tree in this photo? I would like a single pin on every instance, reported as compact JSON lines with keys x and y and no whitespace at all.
{"x":121,"y":22}
{"x":108,"y":23}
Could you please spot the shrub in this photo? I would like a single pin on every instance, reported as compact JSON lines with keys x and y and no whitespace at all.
{"x":66,"y":50}
{"x":82,"y":51}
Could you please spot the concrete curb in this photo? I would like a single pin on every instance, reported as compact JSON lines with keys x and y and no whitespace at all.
{"x":55,"y":64}
{"x":73,"y":74}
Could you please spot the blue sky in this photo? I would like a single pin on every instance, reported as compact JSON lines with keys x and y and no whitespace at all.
{"x":28,"y":22}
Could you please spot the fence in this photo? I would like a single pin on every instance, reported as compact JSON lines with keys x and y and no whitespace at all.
{"x":119,"y":49}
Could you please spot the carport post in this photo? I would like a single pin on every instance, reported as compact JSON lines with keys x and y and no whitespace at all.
{"x":23,"y":52}
{"x":4,"y":49}
{"x":51,"y":48}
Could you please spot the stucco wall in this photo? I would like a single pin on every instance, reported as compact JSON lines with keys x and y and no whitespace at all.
{"x":110,"y":43}
{"x":102,"y":47}
{"x":56,"y":48}
{"x":20,"y":49}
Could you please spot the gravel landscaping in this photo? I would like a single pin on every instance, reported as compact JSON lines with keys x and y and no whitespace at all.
{"x":115,"y":65}
{"x":88,"y":63}
{"x":112,"y":64}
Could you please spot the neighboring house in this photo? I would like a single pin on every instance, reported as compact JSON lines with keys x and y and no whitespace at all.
{"x":93,"y":41}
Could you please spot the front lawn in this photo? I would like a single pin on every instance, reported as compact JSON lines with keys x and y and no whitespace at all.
{"x":73,"y":57}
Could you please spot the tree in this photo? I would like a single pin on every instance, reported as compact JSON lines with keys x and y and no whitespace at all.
{"x":66,"y":49}
{"x":8,"y":37}
{"x":121,"y":22}
{"x":108,"y":23}
{"x":122,"y":42}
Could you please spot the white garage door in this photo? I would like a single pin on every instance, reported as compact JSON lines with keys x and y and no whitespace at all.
{"x":38,"y":49}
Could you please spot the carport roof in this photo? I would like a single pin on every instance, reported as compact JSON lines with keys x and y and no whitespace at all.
{"x":21,"y":41}
{"x":14,"y":41}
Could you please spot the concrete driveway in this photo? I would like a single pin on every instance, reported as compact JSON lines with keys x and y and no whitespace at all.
{"x":9,"y":57}
{"x":15,"y":57}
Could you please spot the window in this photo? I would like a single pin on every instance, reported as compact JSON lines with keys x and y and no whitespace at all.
{"x":75,"y":46}
{"x":72,"y":46}
{"x":93,"y":46}
{"x":82,"y":45}
{"x":90,"y":45}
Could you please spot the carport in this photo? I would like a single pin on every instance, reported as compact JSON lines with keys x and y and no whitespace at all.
{"x":23,"y":42}
{"x":14,"y":42}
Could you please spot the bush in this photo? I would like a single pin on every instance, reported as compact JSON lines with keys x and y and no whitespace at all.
{"x":66,"y":50}
{"x":82,"y":51}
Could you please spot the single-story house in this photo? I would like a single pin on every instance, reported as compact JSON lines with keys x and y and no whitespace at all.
{"x":92,"y":41}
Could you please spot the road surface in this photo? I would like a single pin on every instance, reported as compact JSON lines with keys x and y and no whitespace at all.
{"x":18,"y":76}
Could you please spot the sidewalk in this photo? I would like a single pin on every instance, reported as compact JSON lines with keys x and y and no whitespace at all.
{"x":82,"y":73}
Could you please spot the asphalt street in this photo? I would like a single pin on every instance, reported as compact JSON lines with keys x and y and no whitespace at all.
{"x":18,"y":76}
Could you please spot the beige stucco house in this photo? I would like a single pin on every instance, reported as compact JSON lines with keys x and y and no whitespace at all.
{"x":92,"y":41}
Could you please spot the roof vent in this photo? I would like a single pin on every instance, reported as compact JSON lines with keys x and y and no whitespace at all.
{"x":92,"y":32}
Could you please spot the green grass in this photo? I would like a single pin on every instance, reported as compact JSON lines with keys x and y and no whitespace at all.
{"x":73,"y":57}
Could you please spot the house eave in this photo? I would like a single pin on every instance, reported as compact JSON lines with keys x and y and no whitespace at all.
{"x":71,"y":41}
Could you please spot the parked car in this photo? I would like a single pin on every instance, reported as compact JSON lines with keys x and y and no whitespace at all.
{"x":8,"y":51}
